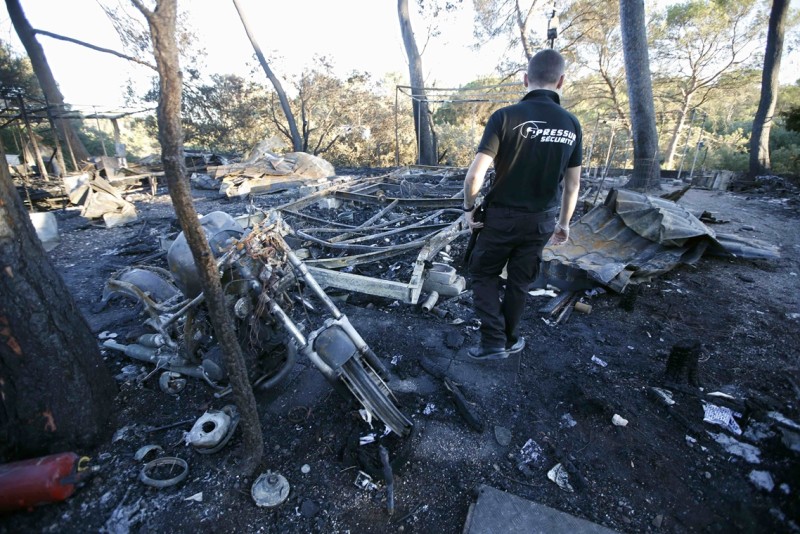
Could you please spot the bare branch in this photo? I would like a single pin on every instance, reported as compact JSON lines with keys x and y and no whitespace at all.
{"x":93,"y":47}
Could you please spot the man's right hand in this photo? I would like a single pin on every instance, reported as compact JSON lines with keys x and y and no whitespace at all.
{"x":469,"y":217}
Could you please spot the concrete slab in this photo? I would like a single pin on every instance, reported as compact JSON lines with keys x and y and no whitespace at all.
{"x":498,"y":511}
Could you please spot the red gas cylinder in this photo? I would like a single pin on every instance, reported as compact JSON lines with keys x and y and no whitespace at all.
{"x":37,"y":481}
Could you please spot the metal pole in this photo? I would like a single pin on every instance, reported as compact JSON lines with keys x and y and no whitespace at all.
{"x":99,"y":133}
{"x":36,"y":152}
{"x":591,"y":147}
{"x":686,"y":146}
{"x":699,"y":146}
{"x":610,"y":149}
{"x":71,"y":152}
{"x":396,"y":130}
{"x":418,"y":125}
{"x":59,"y":151}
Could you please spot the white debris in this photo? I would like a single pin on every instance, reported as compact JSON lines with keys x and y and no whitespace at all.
{"x":429,"y":408}
{"x":396,"y":359}
{"x":721,"y":395}
{"x":785,"y":488}
{"x":722,"y":416}
{"x":567,"y":421}
{"x":791,"y":440}
{"x":197,"y":497}
{"x":369,"y":438}
{"x":783,"y":419}
{"x":618,"y":420}
{"x":762,"y":480}
{"x":757,"y":431}
{"x":531,"y":453}
{"x":542,"y":293}
{"x":665,"y":395}
{"x":305,"y":469}
{"x":750,"y":453}
{"x":598,"y":361}
{"x":366,"y":415}
{"x":560,"y":476}
{"x":122,"y":433}
{"x":364,"y":481}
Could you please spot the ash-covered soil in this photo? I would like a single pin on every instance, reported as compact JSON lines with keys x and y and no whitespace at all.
{"x":663,"y":472}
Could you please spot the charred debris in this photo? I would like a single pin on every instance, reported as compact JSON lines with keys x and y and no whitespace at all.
{"x":396,"y":235}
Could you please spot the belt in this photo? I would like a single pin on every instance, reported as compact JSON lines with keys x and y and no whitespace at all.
{"x":516,"y":210}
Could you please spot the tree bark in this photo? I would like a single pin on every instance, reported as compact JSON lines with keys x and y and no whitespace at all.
{"x":522,"y":26}
{"x":162,"y":22}
{"x":422,"y":115}
{"x":55,"y":392}
{"x":45,"y":76}
{"x":762,"y":123}
{"x":297,"y":141}
{"x":646,"y":169}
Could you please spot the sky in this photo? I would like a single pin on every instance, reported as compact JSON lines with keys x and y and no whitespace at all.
{"x":356,"y":34}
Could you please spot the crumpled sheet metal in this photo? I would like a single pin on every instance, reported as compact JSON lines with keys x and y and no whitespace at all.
{"x":657,"y":219}
{"x":650,"y":237}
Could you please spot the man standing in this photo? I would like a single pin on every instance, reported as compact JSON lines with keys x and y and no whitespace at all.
{"x":536,"y":148}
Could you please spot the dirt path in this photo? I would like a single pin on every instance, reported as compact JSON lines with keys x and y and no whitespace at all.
{"x":663,"y":472}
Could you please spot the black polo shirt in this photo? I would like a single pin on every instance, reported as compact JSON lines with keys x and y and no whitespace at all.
{"x":533,"y":143}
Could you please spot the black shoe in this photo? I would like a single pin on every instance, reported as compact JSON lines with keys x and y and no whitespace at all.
{"x":482,"y":354}
{"x":516,"y":347}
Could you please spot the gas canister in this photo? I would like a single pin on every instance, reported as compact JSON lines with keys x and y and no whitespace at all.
{"x":29,"y":483}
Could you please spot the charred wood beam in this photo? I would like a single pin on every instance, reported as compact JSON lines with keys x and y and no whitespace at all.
{"x":363,"y":284}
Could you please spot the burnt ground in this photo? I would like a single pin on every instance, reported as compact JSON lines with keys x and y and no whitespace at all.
{"x":663,"y":472}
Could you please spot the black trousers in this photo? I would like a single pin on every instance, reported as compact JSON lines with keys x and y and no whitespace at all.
{"x":514,"y":239}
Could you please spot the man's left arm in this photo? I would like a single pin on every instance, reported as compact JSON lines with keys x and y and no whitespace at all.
{"x":569,"y":199}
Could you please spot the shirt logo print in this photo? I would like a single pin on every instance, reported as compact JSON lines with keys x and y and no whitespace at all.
{"x":530,"y":129}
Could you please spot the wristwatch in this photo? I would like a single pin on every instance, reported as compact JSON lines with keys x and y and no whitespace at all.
{"x":468,"y":209}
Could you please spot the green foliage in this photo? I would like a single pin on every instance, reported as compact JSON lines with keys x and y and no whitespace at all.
{"x":228,"y":114}
{"x":792,"y":116}
{"x":16,"y":74}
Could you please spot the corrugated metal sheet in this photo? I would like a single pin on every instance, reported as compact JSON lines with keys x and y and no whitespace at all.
{"x":634,"y":237}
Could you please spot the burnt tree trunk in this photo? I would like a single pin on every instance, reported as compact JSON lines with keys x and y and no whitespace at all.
{"x":646,"y":167}
{"x":297,"y":141}
{"x":55,"y":392}
{"x":422,"y":115}
{"x":27,"y":35}
{"x":162,"y":22}
{"x":762,"y":123}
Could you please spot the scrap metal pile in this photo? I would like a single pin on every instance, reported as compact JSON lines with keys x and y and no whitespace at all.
{"x":272,"y":297}
{"x":382,"y":235}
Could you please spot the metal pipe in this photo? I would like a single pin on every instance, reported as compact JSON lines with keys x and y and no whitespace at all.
{"x":430,"y":302}
{"x":281,"y":315}
{"x":300,"y":267}
{"x":699,"y":146}
{"x":396,"y":131}
{"x":686,"y":145}
{"x":591,"y":146}
{"x":178,"y":314}
{"x":34,"y":143}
